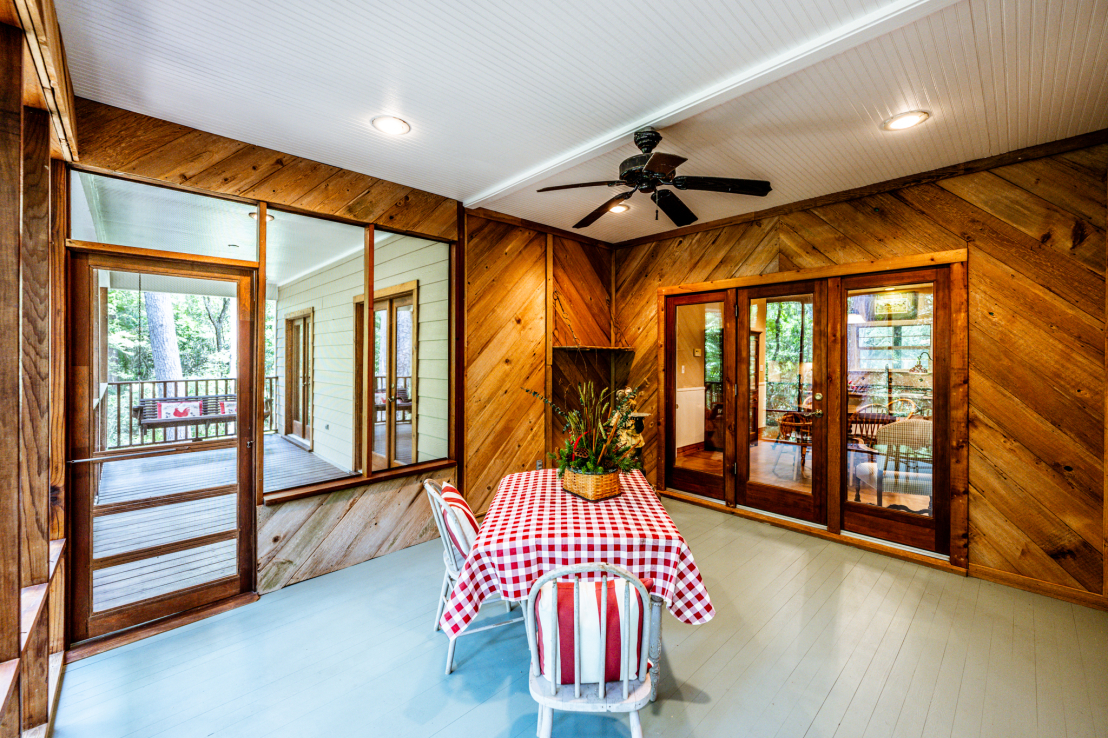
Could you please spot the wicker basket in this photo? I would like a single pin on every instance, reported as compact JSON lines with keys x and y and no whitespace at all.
{"x":593,"y":487}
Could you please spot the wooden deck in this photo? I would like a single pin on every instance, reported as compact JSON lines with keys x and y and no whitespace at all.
{"x":286,"y":465}
{"x":811,"y":639}
{"x":116,"y":534}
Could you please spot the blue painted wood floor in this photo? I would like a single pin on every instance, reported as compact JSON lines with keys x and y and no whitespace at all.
{"x":812,"y":638}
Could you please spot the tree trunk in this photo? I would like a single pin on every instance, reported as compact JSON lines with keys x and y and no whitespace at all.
{"x":163,"y":344}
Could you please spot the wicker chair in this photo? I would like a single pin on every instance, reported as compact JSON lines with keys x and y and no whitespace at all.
{"x":906,"y":446}
{"x":795,"y":431}
{"x":904,"y":407}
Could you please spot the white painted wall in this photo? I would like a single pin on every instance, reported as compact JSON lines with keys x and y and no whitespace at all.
{"x":689,"y":426}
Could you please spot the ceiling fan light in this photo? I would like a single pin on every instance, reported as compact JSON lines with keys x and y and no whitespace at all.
{"x":908,"y":119}
{"x":619,"y":208}
{"x":391,"y":125}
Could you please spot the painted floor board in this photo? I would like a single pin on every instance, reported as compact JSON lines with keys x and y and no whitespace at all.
{"x":811,"y":638}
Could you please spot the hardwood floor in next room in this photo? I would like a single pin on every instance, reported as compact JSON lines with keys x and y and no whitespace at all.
{"x":812,"y":638}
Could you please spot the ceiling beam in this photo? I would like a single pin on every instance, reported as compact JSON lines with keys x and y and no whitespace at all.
{"x":887,"y":18}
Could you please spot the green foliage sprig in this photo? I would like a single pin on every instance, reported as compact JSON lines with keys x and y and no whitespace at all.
{"x":594,"y":442}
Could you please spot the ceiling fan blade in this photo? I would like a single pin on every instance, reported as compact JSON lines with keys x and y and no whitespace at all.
{"x":664,"y":164}
{"x":755,"y":187}
{"x":592,"y":217}
{"x":675,"y":210}
{"x":582,"y":184}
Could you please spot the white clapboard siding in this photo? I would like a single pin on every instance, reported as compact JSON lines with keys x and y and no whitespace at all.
{"x":330,"y":293}
{"x":407,"y":259}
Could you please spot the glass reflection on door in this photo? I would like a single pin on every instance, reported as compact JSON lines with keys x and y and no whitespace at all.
{"x":781,"y":392}
{"x":699,"y":424}
{"x":890,"y":384}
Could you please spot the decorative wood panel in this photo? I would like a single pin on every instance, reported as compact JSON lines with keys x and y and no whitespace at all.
{"x":309,"y":537}
{"x":1035,"y":231}
{"x":122,"y":141}
{"x":505,"y":353}
{"x":582,"y":275}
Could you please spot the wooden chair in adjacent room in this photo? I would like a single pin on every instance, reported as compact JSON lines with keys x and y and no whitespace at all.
{"x":603,"y":669}
{"x":458,"y":530}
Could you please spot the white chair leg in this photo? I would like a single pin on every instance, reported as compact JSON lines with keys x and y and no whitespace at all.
{"x":636,"y":726}
{"x":507,"y":605}
{"x":442,"y":599}
{"x":548,"y":722}
{"x":450,"y":656}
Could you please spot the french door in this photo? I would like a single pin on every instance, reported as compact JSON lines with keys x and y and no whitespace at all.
{"x":161,"y":442}
{"x":825,"y":401}
{"x":396,"y":376}
{"x":298,"y":376}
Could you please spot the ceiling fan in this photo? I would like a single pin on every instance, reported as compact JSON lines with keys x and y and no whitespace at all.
{"x":646,"y":172}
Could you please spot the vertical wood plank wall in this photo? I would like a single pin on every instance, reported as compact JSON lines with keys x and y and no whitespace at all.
{"x":1036,"y":237}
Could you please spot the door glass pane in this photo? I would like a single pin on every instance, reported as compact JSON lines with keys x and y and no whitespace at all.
{"x":699,"y":425}
{"x":381,"y":394}
{"x":889,"y":396}
{"x":165,"y":363}
{"x":781,"y":451}
{"x":402,"y":390}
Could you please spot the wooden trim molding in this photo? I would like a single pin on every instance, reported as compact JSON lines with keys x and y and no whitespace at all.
{"x":1027,"y":584}
{"x":310,"y":490}
{"x":117,"y":250}
{"x":1094,"y":138}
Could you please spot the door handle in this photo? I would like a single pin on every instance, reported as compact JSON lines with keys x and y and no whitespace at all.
{"x":816,"y":414}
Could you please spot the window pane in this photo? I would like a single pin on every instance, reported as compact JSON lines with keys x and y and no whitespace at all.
{"x":889,"y":396}
{"x":118,"y":211}
{"x":315,"y":268}
{"x":411,"y":359}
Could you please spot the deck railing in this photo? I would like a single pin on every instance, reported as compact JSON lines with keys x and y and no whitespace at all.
{"x":119,"y":421}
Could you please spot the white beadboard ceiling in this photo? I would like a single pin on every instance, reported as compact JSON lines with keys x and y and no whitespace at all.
{"x":506,"y":97}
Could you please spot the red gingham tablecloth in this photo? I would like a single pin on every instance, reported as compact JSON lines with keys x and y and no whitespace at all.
{"x":533,"y":527}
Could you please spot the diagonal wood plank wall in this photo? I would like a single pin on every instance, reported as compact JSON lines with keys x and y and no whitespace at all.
{"x":508,"y":327}
{"x":1036,"y":237}
{"x":313,"y":536}
{"x":121,"y":141}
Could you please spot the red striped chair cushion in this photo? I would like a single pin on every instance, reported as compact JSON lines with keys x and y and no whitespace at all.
{"x":463,"y":519}
{"x":590,"y":630}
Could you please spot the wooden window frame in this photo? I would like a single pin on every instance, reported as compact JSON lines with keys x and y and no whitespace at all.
{"x":308,"y":316}
{"x":456,"y":332}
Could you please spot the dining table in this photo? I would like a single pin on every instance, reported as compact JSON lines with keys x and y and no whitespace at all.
{"x":533,"y":526}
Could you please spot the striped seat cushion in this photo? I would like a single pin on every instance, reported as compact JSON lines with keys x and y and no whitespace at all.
{"x":590,"y":630}
{"x":462,"y":525}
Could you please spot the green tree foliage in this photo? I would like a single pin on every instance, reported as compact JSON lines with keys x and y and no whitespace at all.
{"x":203,"y":336}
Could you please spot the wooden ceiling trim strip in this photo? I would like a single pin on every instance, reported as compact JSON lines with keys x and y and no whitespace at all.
{"x":1095,"y":138}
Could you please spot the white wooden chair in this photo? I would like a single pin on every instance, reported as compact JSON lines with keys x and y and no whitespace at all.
{"x":447,"y":520}
{"x":590,"y":690}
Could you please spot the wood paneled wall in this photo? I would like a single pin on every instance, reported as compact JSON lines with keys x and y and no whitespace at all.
{"x":121,"y":141}
{"x":526,"y":291}
{"x":1036,"y":237}
{"x":313,"y":536}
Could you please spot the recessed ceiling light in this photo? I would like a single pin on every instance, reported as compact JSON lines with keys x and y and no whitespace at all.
{"x":391,"y":125}
{"x":254,"y":215}
{"x":901,"y":121}
{"x":620,"y":208}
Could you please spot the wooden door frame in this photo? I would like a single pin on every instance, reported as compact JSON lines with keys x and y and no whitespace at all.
{"x":767,"y":497}
{"x":387,"y":296}
{"x":698,"y":482}
{"x":955,"y":263}
{"x":307,"y":338}
{"x":84,"y":623}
